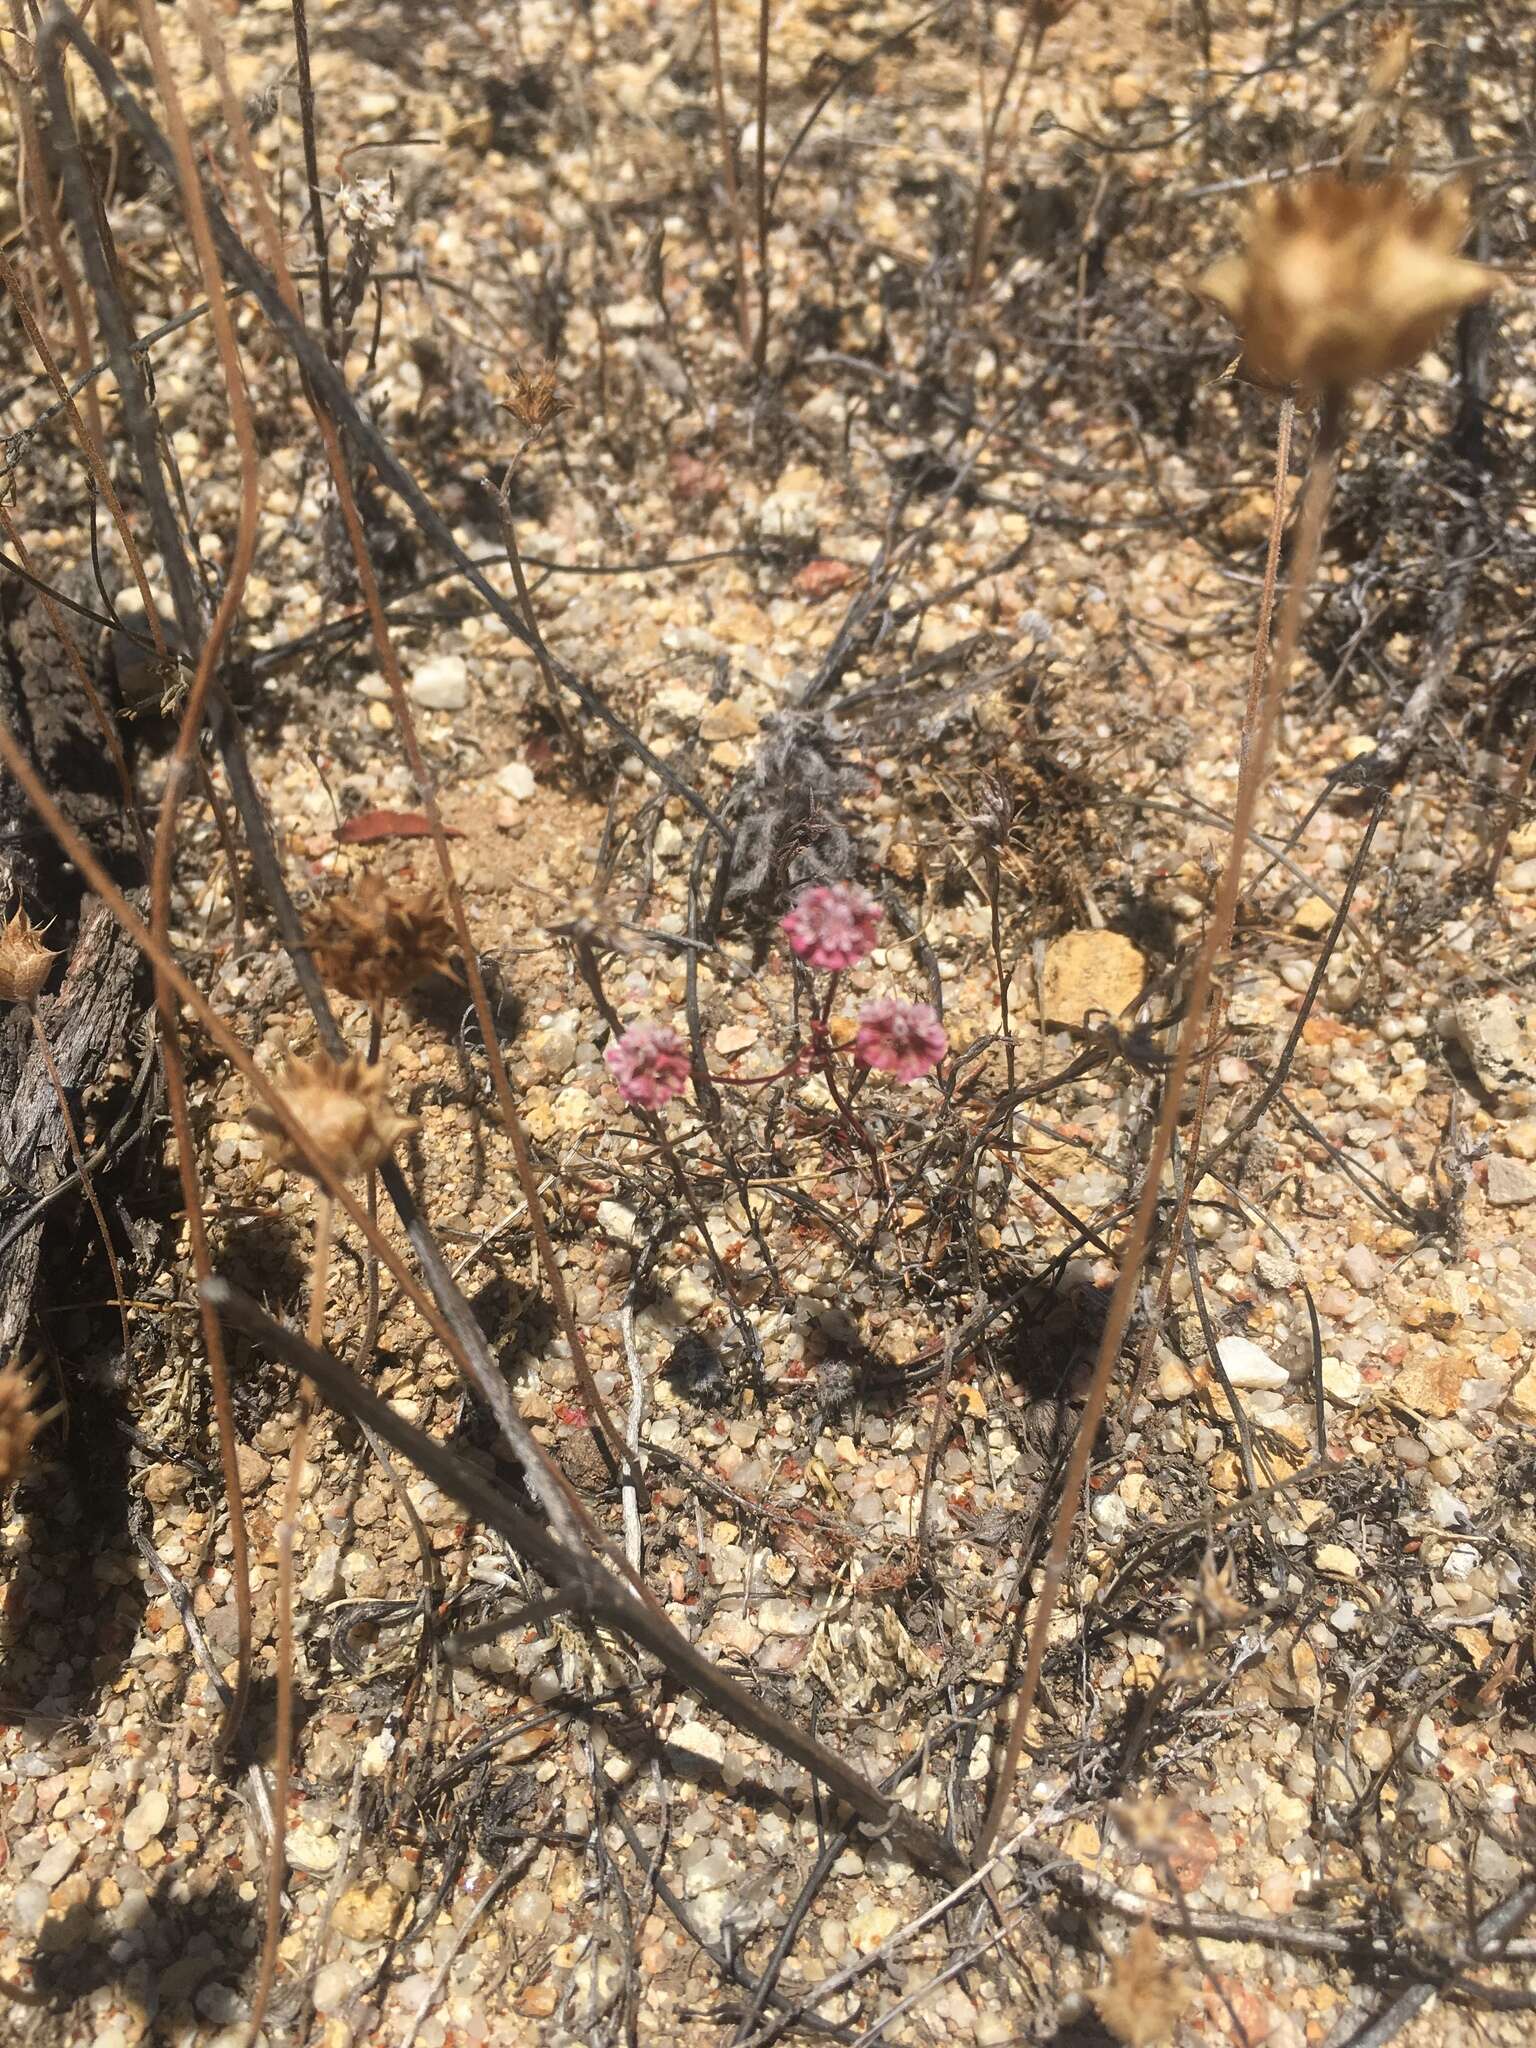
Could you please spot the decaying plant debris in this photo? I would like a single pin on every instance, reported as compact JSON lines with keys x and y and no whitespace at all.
{"x":767,"y":1235}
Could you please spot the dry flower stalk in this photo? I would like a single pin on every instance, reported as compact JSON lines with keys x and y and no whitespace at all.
{"x":19,"y":1421}
{"x":381,"y":940}
{"x":341,"y":1105}
{"x":25,"y":962}
{"x":1342,"y":283}
{"x":1142,"y":1998}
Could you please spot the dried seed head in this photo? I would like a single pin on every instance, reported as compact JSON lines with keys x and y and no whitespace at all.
{"x":379,"y":940}
{"x":367,"y":206}
{"x":1341,"y":283}
{"x":1394,"y":52}
{"x":19,"y":1421}
{"x":340,"y":1105}
{"x":1142,"y":1998}
{"x":25,"y":962}
{"x":590,"y":920}
{"x":536,"y":400}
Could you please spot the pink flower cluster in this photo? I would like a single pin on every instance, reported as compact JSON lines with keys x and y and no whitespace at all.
{"x":905,"y":1040}
{"x":650,"y":1064}
{"x":833,"y":926}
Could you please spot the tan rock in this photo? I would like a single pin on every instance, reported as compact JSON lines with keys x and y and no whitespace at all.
{"x":253,"y":1468}
{"x":1522,"y":1398}
{"x":1312,"y":917}
{"x":1431,"y":1383}
{"x":1091,"y":975}
{"x":366,"y":1912}
{"x":727,"y":720}
{"x":1292,"y":1675}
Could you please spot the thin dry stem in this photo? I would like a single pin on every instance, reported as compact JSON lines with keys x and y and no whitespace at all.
{"x":161,"y":876}
{"x":732,"y":186}
{"x":764,"y":280}
{"x":99,"y":711}
{"x":982,"y":233}
{"x":53,"y":234}
{"x":282,"y":1759}
{"x":1250,"y":781}
{"x":90,"y":448}
{"x":77,"y":1154}
{"x":608,"y":1433}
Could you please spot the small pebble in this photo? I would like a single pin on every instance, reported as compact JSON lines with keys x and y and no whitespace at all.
{"x":441,"y":684}
{"x":1247,"y":1366}
{"x":145,"y":1821}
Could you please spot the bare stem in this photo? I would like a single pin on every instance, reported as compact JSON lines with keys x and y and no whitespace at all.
{"x":1309,"y":535}
{"x":760,"y":350}
{"x":282,"y":1759}
{"x":732,"y":187}
{"x":530,"y":619}
{"x":982,"y":233}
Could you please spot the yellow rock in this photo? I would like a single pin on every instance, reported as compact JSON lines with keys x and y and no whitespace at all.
{"x":1091,"y":974}
{"x":366,"y":1912}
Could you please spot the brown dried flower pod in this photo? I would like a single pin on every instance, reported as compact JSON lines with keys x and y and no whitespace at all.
{"x":380,"y":940}
{"x":341,"y":1106}
{"x":536,"y":400}
{"x":25,"y":962}
{"x":1141,"y":2002}
{"x":19,"y":1421}
{"x":1341,"y":283}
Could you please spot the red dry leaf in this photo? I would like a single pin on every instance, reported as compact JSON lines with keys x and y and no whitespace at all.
{"x":369,"y":825}
{"x":820,"y":578}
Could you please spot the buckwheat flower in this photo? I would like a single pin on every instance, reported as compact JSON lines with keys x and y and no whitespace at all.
{"x":1340,"y":283}
{"x":650,"y":1064}
{"x":833,"y":925}
{"x":905,"y":1040}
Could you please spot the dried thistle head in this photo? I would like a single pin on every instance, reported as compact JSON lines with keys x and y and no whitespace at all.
{"x":25,"y":962}
{"x":341,"y":1106}
{"x":537,"y":400}
{"x":1341,"y":283}
{"x":1393,"y":37}
{"x":1142,"y":1997}
{"x":379,"y":940}
{"x":996,"y":813}
{"x":590,"y":921}
{"x":19,"y":1421}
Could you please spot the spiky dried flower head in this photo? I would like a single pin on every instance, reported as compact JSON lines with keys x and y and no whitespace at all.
{"x":1341,"y":283}
{"x":904,"y":1040}
{"x":341,"y":1107}
{"x":19,"y":1421}
{"x":537,"y":400}
{"x":25,"y":962}
{"x":379,"y":940}
{"x":1142,"y":1997}
{"x":833,"y":926}
{"x":1393,"y":37}
{"x":650,"y":1064}
{"x":368,"y":206}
